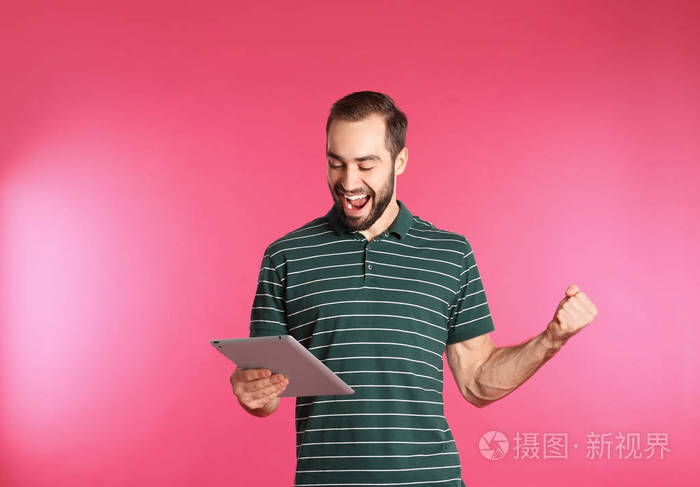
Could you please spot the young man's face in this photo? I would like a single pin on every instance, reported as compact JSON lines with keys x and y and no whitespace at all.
{"x":359,"y":167}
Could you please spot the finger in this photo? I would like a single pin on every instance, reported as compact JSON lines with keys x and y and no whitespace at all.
{"x":242,"y":376}
{"x":572,"y":290}
{"x":266,"y":393}
{"x":563,"y":317}
{"x":588,"y":303}
{"x":259,"y":403}
{"x":248,"y":392}
{"x":559,"y":306}
{"x":580,"y":310}
{"x":258,"y":384}
{"x":255,"y":374}
{"x":253,"y":385}
{"x":574,"y":310}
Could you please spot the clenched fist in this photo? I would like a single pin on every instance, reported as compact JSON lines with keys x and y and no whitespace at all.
{"x":258,"y":389}
{"x":574,"y":312}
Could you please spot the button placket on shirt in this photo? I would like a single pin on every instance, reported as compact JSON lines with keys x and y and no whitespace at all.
{"x":369,"y":267}
{"x":358,"y":236}
{"x":367,"y":256}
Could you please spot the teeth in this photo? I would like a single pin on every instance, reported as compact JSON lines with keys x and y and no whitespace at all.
{"x":348,"y":199}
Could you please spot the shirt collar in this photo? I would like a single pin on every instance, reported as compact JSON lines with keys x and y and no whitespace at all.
{"x":399,"y":226}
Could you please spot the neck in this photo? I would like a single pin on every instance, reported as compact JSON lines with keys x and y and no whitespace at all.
{"x":384,"y":221}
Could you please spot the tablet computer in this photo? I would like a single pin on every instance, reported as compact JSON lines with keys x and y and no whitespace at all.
{"x":283,"y":354}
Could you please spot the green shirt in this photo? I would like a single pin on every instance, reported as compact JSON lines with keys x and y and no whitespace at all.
{"x":379,"y":314}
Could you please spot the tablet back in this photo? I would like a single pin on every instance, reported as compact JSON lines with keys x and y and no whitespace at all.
{"x":283,"y":354}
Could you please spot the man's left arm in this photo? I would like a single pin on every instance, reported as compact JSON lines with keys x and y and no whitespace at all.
{"x":485,"y":373}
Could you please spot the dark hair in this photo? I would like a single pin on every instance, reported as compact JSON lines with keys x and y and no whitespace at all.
{"x":361,"y":104}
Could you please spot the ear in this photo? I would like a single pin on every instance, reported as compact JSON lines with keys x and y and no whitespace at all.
{"x":401,"y":161}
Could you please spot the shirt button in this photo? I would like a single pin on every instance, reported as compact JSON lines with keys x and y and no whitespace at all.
{"x":369,"y":266}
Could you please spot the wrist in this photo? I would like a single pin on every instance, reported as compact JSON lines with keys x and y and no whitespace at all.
{"x":552,"y":341}
{"x":271,"y":406}
{"x":259,"y":412}
{"x":262,"y":411}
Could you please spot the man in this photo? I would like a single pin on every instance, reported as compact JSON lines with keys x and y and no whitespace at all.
{"x":379,"y":295}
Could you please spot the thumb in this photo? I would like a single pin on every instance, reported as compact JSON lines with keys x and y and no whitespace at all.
{"x":572,"y":290}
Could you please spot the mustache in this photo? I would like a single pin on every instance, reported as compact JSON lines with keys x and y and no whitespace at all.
{"x":340,"y":191}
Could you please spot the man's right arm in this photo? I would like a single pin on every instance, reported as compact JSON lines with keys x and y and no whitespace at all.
{"x":258,"y":390}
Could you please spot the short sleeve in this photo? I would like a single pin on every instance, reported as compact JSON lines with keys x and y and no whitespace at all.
{"x":470,"y":315}
{"x":268,"y":314}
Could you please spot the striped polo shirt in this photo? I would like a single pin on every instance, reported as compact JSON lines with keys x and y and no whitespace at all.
{"x":379,"y":314}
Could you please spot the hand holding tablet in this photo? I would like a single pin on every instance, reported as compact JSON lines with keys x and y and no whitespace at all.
{"x":283,"y":354}
{"x":258,"y":390}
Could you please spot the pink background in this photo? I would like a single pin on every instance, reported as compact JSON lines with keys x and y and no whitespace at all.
{"x":150,"y":152}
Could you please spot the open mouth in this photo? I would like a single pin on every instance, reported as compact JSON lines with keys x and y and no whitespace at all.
{"x":353,"y":203}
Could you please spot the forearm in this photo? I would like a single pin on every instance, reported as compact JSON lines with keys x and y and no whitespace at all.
{"x":266,"y":410}
{"x":506,"y":368}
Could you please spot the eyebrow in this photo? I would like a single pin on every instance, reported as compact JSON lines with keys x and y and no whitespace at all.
{"x":370,"y":157}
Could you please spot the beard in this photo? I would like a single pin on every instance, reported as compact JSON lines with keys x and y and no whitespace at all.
{"x":379,"y":202}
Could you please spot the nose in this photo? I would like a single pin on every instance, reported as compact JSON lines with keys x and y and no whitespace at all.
{"x":350,"y":179}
